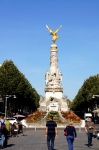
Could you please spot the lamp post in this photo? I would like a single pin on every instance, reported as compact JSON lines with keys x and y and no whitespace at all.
{"x":6,"y":105}
{"x":97,"y":98}
{"x":96,"y":105}
{"x":6,"y":98}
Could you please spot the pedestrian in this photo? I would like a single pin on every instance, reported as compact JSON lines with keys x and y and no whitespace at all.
{"x":89,"y":128}
{"x":7,"y":134}
{"x":51,"y":132}
{"x":71,"y":135}
{"x":2,"y":130}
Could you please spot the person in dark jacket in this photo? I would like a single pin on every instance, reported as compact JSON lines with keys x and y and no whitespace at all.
{"x":51,"y":133}
{"x":71,"y":135}
{"x":2,"y":130}
{"x":89,"y":128}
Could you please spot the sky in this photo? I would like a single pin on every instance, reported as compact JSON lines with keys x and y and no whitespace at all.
{"x":26,"y":41}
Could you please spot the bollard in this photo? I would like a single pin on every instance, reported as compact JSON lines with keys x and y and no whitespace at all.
{"x":35,"y":127}
{"x":80,"y":128}
{"x":24,"y":127}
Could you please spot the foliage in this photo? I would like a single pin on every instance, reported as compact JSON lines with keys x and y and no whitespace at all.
{"x":55,"y":115}
{"x":13,"y":82}
{"x":83,"y":100}
{"x":69,"y":115}
{"x":39,"y":115}
{"x":36,"y":116}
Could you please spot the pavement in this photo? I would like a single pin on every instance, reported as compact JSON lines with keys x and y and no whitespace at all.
{"x":33,"y":139}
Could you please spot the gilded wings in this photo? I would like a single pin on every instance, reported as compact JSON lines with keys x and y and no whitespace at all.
{"x":53,"y":33}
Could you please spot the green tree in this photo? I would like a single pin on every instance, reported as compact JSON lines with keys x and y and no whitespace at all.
{"x":83,"y":100}
{"x":13,"y":82}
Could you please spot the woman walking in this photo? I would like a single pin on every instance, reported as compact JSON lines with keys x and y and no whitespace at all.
{"x":71,"y":135}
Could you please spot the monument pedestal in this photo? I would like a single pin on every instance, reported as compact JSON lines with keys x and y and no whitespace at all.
{"x":53,"y":92}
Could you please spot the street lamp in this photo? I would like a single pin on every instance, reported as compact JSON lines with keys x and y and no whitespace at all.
{"x":96,"y":97}
{"x":6,"y":98}
{"x":6,"y":105}
{"x":96,"y":105}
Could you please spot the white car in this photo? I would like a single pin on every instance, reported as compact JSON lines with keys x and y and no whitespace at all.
{"x":12,"y":120}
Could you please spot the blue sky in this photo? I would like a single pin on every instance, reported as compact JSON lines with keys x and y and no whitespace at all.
{"x":25,"y":40}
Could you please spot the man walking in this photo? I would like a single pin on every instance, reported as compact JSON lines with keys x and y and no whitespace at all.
{"x":51,"y":133}
{"x":89,"y":127}
{"x":2,"y":130}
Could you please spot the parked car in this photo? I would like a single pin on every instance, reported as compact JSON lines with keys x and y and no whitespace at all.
{"x":12,"y":120}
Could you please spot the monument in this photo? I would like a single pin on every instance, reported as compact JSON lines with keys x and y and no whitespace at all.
{"x":53,"y":100}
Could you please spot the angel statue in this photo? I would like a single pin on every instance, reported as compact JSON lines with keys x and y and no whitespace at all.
{"x":53,"y":33}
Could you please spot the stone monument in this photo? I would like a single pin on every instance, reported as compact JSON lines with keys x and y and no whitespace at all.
{"x":53,"y":100}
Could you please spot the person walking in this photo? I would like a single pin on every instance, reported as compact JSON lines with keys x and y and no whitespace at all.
{"x":2,"y":130}
{"x":51,"y":132}
{"x":7,"y":134}
{"x":71,"y":135}
{"x":89,"y":128}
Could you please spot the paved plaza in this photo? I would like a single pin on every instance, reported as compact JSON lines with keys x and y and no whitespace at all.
{"x":36,"y":140}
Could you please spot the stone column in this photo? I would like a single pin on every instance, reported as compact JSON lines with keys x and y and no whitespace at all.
{"x":54,"y":76}
{"x":53,"y":59}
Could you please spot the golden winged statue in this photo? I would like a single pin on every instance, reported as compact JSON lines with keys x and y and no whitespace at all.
{"x":54,"y":33}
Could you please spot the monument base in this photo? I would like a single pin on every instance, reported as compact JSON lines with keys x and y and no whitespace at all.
{"x":53,"y":104}
{"x":51,"y":92}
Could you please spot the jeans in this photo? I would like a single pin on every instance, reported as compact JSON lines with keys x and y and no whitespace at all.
{"x":50,"y":142}
{"x":90,"y":135}
{"x":0,"y":135}
{"x":2,"y":140}
{"x":70,"y":140}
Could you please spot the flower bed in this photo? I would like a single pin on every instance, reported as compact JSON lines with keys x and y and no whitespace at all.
{"x":55,"y":115}
{"x":39,"y":115}
{"x":35,"y":117}
{"x":69,"y":115}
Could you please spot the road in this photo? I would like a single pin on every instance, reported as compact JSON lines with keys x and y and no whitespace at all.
{"x":36,"y":140}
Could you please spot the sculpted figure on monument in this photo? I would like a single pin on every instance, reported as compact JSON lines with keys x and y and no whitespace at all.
{"x":53,"y":80}
{"x":53,"y":33}
{"x":54,"y":60}
{"x":47,"y":77}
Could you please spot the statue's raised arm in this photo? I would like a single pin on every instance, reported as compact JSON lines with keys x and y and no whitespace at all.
{"x":53,"y":33}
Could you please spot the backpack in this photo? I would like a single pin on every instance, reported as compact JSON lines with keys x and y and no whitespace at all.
{"x":2,"y":127}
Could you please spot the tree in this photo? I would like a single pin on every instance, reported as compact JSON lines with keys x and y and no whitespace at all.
{"x":13,"y":82}
{"x":83,"y":100}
